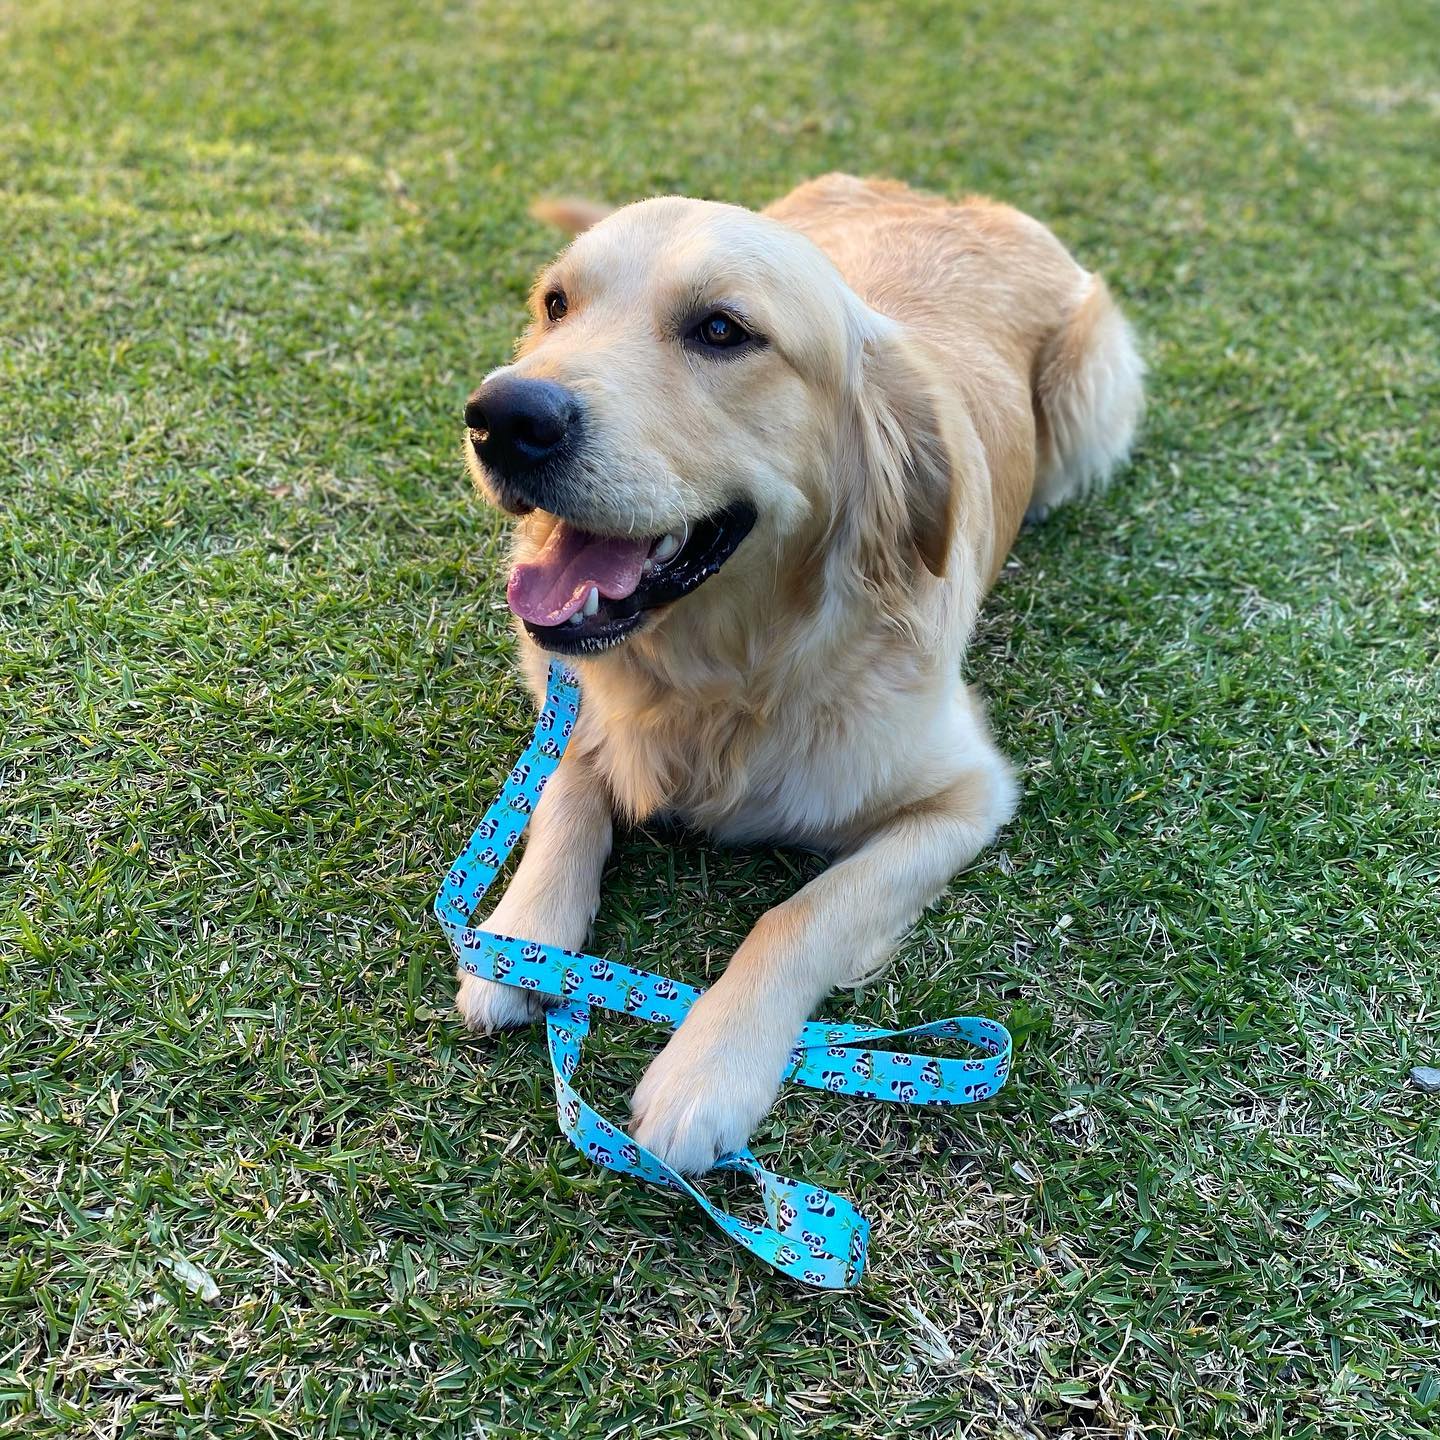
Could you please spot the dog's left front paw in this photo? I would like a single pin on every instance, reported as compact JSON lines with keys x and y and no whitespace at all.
{"x":704,"y":1094}
{"x":487,"y":1007}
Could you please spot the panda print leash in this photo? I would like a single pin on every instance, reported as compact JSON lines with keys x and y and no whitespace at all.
{"x":813,"y":1235}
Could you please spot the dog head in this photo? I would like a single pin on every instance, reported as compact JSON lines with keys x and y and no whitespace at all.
{"x":700,"y":399}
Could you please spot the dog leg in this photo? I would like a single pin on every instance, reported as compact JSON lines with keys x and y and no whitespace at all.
{"x":555,"y":890}
{"x":710,"y":1086}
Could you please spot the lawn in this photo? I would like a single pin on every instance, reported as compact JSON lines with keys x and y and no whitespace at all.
{"x":257,"y":685}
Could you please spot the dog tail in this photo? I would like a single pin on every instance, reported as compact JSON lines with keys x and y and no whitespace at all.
{"x":568,"y":213}
{"x":1089,"y":396}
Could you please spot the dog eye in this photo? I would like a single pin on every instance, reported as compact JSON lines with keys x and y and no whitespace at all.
{"x":720,"y":331}
{"x":556,"y":305}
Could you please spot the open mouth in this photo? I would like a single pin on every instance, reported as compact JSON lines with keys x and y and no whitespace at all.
{"x":584,"y":593}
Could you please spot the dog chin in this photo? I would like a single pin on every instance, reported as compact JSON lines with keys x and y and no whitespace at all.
{"x":587,"y":638}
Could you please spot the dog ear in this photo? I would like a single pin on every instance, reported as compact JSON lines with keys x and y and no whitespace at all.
{"x":908,"y":481}
{"x":569,"y":214}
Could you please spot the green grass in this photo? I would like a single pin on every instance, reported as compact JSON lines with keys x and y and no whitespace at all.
{"x":257,"y":686}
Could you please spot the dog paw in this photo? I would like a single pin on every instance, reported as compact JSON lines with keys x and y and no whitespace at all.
{"x":487,"y":1007}
{"x":701,"y":1099}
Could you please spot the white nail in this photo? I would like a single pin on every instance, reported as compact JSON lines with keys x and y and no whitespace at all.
{"x":592,"y":601}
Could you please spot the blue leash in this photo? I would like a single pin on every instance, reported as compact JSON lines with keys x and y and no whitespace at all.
{"x":813,"y":1235}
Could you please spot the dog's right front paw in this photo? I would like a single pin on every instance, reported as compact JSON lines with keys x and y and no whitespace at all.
{"x":487,"y":1007}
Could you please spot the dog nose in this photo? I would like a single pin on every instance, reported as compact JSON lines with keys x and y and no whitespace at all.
{"x":517,"y":424}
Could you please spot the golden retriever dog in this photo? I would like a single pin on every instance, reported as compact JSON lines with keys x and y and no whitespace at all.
{"x":766,"y":467}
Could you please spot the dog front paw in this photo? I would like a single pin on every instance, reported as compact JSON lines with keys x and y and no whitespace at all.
{"x":487,"y":1007}
{"x":704,"y":1093}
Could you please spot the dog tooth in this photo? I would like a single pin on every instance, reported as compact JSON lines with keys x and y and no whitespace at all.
{"x":668,"y":545}
{"x":576,"y":619}
{"x":592,"y":601}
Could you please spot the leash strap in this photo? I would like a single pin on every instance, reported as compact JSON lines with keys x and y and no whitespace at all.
{"x":812,"y":1234}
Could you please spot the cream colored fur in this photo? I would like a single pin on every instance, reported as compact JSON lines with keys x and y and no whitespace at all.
{"x":931,"y":372}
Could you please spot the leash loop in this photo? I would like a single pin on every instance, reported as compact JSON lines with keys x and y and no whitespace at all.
{"x":812,"y":1234}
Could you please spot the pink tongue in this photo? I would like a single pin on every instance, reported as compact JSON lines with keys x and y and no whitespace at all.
{"x":553,"y":586}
